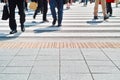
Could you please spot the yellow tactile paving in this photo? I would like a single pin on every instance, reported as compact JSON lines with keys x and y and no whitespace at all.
{"x":59,"y":45}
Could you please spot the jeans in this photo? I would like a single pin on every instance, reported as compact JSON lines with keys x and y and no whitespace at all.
{"x":59,"y":5}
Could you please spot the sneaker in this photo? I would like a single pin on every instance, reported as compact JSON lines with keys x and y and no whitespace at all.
{"x":13,"y":31}
{"x":106,"y":17}
{"x":95,"y":17}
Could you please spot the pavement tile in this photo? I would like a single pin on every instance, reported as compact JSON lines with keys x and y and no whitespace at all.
{"x":49,"y":58}
{"x":13,"y":76}
{"x":44,"y":77}
{"x":104,"y":69}
{"x":1,"y":69}
{"x":70,"y":54}
{"x":27,"y":51}
{"x":76,"y":77}
{"x":6,"y":58}
{"x":24,"y":58}
{"x":17,"y":70}
{"x":8,"y":52}
{"x":49,"y":52}
{"x":100,"y":63}
{"x":46,"y":63}
{"x":113,"y":54}
{"x":74,"y":67}
{"x":20,"y":63}
{"x":3,"y":63}
{"x":46,"y":69}
{"x":106,"y":76}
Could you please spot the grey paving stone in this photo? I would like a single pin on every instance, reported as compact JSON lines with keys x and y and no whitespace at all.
{"x":29,"y":52}
{"x":44,"y":77}
{"x":70,"y":54}
{"x":49,"y":51}
{"x":93,"y":54}
{"x":74,"y":67}
{"x":100,"y":63}
{"x":106,"y":76}
{"x":8,"y":52}
{"x":76,"y":77}
{"x":117,"y":63}
{"x":1,"y":69}
{"x":104,"y":69}
{"x":24,"y":58}
{"x":6,"y":58}
{"x":50,"y":58}
{"x":46,"y":63}
{"x":13,"y":76}
{"x":19,"y":63}
{"x":3,"y":63}
{"x":46,"y":69}
{"x":17,"y":70}
{"x":113,"y":54}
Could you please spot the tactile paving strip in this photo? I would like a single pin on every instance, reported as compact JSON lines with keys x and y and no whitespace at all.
{"x":59,"y":45}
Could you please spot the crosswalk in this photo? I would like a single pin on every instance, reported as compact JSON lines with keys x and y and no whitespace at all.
{"x":77,"y":23}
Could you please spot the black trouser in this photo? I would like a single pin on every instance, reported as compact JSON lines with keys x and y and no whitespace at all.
{"x":109,"y":7}
{"x":12,"y":6}
{"x":43,"y":7}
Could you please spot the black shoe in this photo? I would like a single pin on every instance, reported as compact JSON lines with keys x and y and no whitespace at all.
{"x":95,"y":17}
{"x":54,"y":22}
{"x":59,"y":25}
{"x":106,"y":17}
{"x":22,"y":28}
{"x":110,"y":15}
{"x":45,"y":20}
{"x":13,"y":31}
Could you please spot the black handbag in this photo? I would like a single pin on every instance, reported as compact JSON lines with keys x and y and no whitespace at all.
{"x":5,"y":14}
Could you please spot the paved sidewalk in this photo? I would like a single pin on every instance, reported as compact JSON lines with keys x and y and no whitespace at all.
{"x":59,"y":64}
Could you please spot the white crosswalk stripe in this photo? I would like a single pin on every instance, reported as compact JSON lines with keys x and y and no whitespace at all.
{"x":77,"y":22}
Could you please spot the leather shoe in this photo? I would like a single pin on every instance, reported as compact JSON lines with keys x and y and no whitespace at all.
{"x":13,"y":31}
{"x":59,"y":25}
{"x":54,"y":22}
{"x":22,"y":28}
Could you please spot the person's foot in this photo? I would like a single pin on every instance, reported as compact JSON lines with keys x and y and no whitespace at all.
{"x":54,"y":22}
{"x":13,"y":31}
{"x":95,"y":17}
{"x":22,"y":28}
{"x":59,"y":25}
{"x":110,"y":15}
{"x":45,"y":20}
{"x":34,"y":16}
{"x":106,"y":17}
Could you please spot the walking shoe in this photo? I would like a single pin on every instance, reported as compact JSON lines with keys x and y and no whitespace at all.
{"x":45,"y":20}
{"x":54,"y":22}
{"x":95,"y":17}
{"x":110,"y":15}
{"x":59,"y":25}
{"x":22,"y":28}
{"x":13,"y":31}
{"x":106,"y":17}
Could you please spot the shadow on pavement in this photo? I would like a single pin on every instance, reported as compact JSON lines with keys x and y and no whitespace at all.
{"x":4,"y":37}
{"x":47,"y":29}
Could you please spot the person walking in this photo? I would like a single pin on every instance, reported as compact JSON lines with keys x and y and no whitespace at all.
{"x":43,"y":7}
{"x":109,"y":7}
{"x":12,"y":20}
{"x":103,"y":4}
{"x":59,"y":5}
